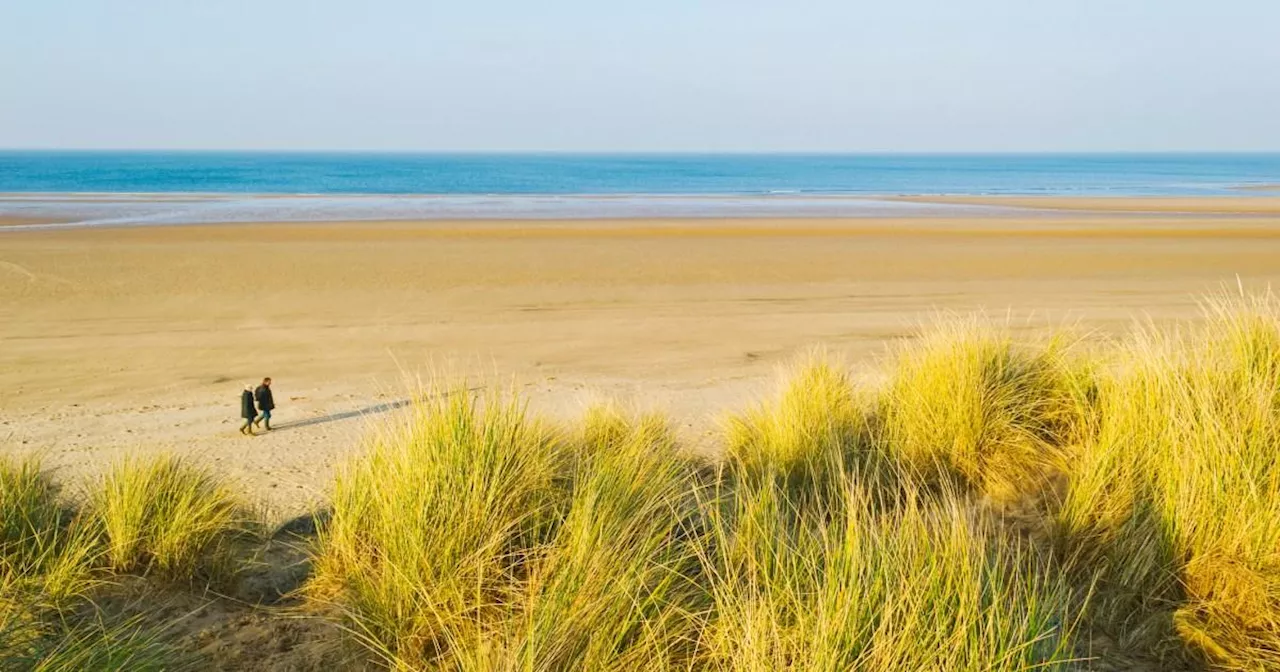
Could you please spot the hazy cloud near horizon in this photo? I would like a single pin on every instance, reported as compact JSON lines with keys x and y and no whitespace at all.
{"x":666,"y":75}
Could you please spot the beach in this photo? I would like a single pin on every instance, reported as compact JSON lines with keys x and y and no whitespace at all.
{"x":139,"y":339}
{"x":698,"y":337}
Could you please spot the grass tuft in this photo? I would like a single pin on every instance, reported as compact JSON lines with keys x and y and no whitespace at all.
{"x":969,"y":406}
{"x":167,"y":517}
{"x":927,"y":585}
{"x":1174,"y":504}
{"x":432,"y":529}
{"x":88,"y":643}
{"x":815,"y":429}
{"x":614,"y":588}
{"x":50,"y":571}
{"x":45,"y":549}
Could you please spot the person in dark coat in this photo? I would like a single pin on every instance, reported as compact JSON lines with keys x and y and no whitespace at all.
{"x":265,"y":404}
{"x":247,"y":411}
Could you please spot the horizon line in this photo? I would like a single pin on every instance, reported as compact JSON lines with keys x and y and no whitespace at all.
{"x":657,"y":152}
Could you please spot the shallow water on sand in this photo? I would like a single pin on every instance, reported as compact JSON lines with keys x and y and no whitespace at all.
{"x":88,"y":210}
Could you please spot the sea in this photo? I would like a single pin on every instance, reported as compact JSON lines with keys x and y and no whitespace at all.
{"x":87,"y":188}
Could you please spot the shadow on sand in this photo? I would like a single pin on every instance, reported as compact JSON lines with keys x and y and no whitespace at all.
{"x":346,"y":415}
{"x":359,"y":412}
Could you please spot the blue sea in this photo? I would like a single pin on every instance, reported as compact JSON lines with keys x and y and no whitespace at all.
{"x":175,"y":187}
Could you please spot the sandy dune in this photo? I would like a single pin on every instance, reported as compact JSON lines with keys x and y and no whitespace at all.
{"x":115,"y":340}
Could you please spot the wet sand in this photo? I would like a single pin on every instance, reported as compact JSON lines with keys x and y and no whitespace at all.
{"x":1169,"y":205}
{"x":8,"y":220}
{"x":140,"y":339}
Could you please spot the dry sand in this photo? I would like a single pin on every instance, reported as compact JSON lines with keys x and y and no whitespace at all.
{"x":140,"y":339}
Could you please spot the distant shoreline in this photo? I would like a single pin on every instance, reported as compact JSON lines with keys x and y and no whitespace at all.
{"x":33,"y":212}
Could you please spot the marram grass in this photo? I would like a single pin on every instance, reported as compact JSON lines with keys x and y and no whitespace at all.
{"x":51,"y":568}
{"x":168,"y":517}
{"x":434,"y":529}
{"x":817,"y":426}
{"x":847,"y":563}
{"x":924,"y":586}
{"x":45,"y":549}
{"x":613,"y":587}
{"x":475,"y":537}
{"x":1175,"y":502}
{"x":845,"y":526}
{"x":89,"y":643}
{"x":967,"y":405}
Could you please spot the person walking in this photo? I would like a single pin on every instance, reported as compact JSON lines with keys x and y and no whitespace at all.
{"x":247,"y":411}
{"x":265,"y":404}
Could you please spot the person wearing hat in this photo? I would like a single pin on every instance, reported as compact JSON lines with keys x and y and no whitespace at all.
{"x":247,"y":410}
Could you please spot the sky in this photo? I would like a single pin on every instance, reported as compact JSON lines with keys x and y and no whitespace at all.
{"x":656,"y":76}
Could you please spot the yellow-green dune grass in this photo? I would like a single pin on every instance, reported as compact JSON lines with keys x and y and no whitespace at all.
{"x":995,"y":501}
{"x":1173,"y":501}
{"x":160,"y":517}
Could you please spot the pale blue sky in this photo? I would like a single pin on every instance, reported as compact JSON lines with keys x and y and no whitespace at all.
{"x":659,"y":75}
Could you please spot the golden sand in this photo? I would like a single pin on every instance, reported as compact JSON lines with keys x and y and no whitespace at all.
{"x":140,"y":339}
